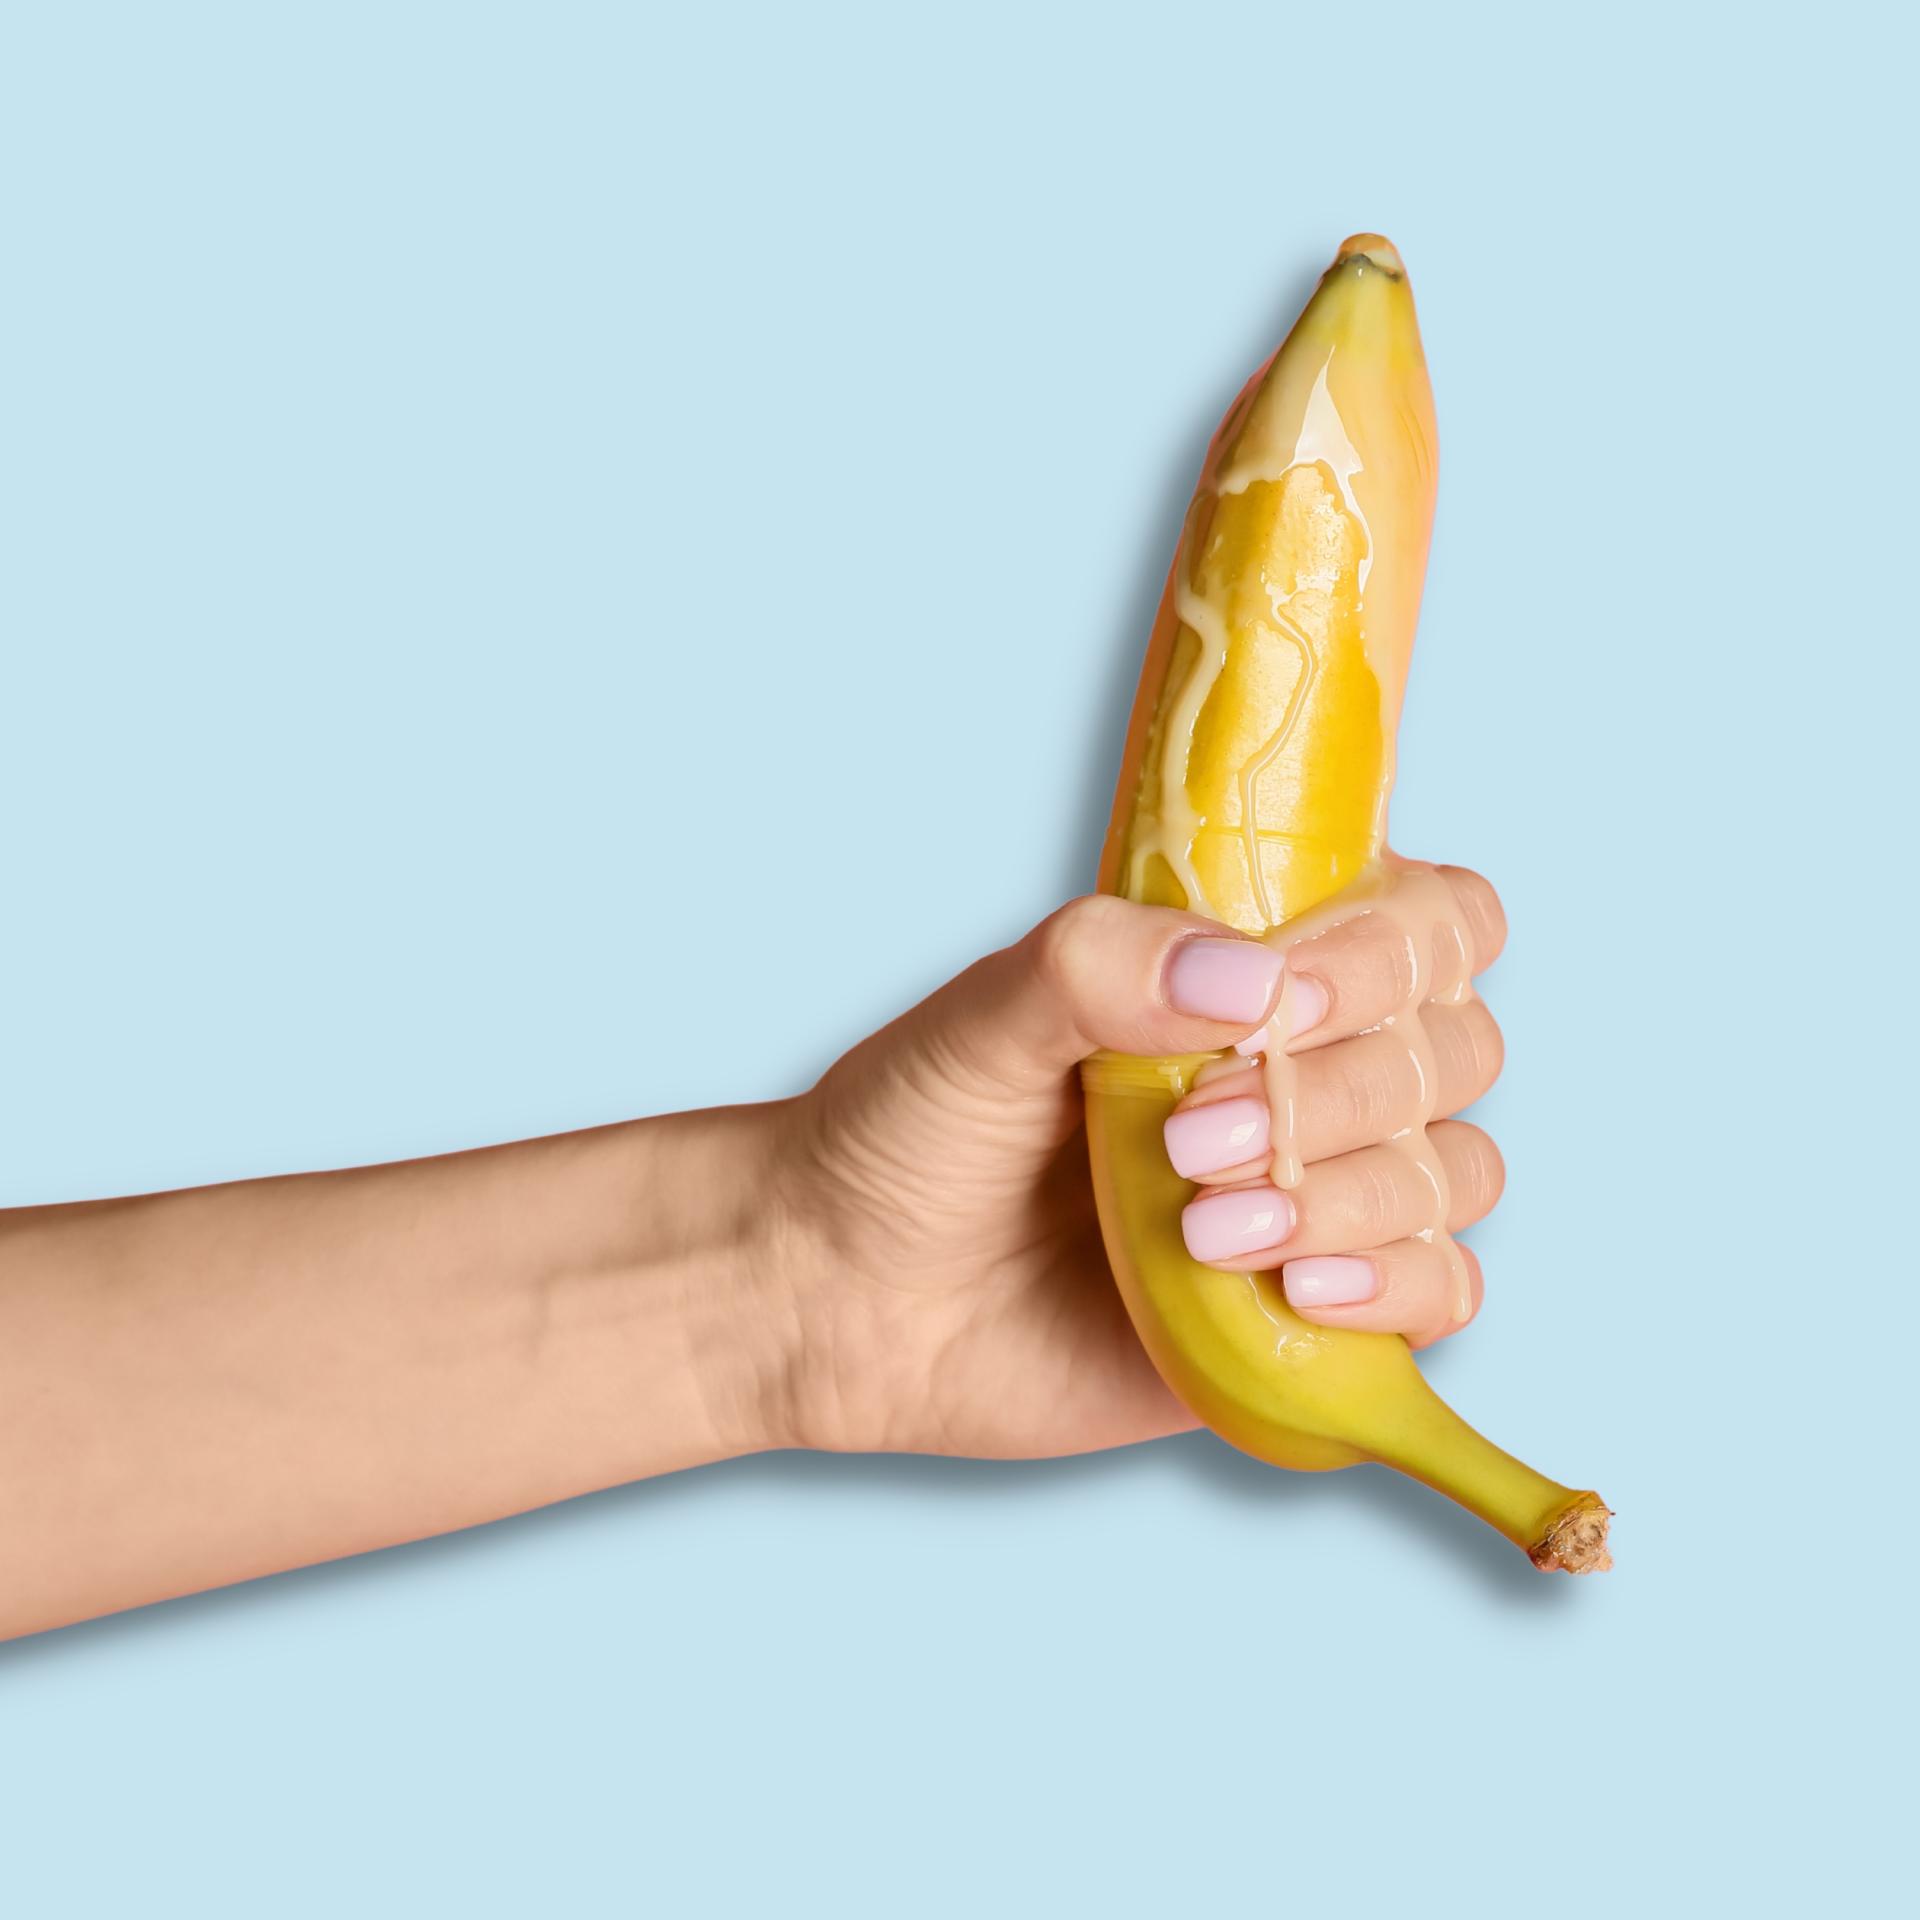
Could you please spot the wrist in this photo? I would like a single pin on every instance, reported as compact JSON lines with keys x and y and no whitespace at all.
{"x":710,"y":1274}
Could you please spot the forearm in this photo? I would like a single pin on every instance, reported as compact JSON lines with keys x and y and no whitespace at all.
{"x":205,"y":1386}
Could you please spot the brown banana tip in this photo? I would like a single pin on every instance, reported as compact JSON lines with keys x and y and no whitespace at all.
{"x":1577,"y":1541}
{"x":1375,"y":248}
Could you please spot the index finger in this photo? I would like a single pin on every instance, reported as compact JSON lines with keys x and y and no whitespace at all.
{"x":1484,"y":918}
{"x":1422,"y":936}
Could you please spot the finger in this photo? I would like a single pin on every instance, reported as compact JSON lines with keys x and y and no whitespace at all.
{"x":1482,"y":916}
{"x":1361,"y":1199}
{"x":1476,"y":1174}
{"x":1409,"y":1287}
{"x":1348,"y":1095}
{"x":1374,"y":1087}
{"x":1100,"y":973}
{"x":1373,"y":965}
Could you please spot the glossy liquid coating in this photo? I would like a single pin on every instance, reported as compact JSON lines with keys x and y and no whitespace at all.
{"x":1426,"y":921}
{"x":1270,"y":764}
{"x":1254,"y":790}
{"x":1275,"y":673}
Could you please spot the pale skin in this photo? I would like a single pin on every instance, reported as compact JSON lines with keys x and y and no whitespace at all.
{"x":202,"y":1387}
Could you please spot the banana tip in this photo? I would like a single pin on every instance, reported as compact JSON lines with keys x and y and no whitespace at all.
{"x":1577,"y":1540}
{"x":1375,"y":248}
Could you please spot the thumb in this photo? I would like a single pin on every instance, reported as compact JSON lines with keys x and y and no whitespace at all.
{"x":1101,"y":973}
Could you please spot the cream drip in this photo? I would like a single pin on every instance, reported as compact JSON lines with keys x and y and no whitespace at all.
{"x":1421,"y":909}
{"x":1322,"y":438}
{"x":1174,"y":824}
{"x":1420,"y":904}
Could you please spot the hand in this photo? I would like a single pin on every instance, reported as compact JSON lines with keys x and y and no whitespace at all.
{"x":1380,"y":1064}
{"x":953,"y":1294}
{"x":201,"y":1386}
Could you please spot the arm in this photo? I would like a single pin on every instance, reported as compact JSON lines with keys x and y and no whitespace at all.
{"x":200,"y":1387}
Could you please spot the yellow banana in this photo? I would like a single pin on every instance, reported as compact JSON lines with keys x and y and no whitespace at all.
{"x":1254,"y":788}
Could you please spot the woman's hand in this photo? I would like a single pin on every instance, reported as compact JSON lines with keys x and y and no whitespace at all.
{"x":202,"y":1386}
{"x":951,"y":1291}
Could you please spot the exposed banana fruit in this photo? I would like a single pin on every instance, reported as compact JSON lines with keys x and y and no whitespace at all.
{"x":1254,"y":790}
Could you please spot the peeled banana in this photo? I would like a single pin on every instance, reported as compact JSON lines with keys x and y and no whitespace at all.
{"x":1254,"y":790}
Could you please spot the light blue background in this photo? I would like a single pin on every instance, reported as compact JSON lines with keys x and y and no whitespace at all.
{"x":441,"y":446}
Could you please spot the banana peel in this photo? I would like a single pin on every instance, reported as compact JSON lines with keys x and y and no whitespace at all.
{"x":1254,"y":788}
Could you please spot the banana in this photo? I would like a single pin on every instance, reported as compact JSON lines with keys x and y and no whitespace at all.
{"x":1254,"y":789}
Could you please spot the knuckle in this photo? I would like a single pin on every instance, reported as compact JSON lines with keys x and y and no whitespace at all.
{"x":1063,"y":941}
{"x":1358,"y":1093}
{"x":1469,"y":1051}
{"x":1476,"y":1284}
{"x":1489,"y":1043}
{"x":1396,"y":1090}
{"x":1376,"y":1196}
{"x":1370,"y":1095}
{"x":1480,"y":906}
{"x":1341,"y":1099}
{"x":1475,"y":1168}
{"x":1453,"y":1055}
{"x":1368,"y":967}
{"x":1494,"y":1171}
{"x":1441,"y":1316}
{"x":1394,"y":968}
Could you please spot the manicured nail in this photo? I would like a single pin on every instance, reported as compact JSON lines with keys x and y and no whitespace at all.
{"x":1305,"y":1003}
{"x":1330,"y":1280}
{"x":1223,"y":979}
{"x":1220,"y":1226}
{"x":1212,"y":1138}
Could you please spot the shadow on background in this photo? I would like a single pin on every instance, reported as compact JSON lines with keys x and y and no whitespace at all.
{"x":1433,"y":1527}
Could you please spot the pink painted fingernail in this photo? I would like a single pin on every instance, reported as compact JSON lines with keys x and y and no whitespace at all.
{"x":1220,"y":1226}
{"x":1330,"y":1280}
{"x":1211,"y":1138}
{"x":1223,"y":979}
{"x":1306,"y":1004}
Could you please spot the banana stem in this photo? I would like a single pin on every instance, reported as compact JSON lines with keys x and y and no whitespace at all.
{"x":1558,"y":1528}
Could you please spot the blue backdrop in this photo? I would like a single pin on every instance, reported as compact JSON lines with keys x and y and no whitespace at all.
{"x":438,"y":443}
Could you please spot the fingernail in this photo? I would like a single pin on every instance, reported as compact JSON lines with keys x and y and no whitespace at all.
{"x":1305,"y":1004}
{"x":1223,"y":979}
{"x":1218,"y":1226}
{"x":1330,"y":1280}
{"x":1206,"y":1139}
{"x":1210,"y":1138}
